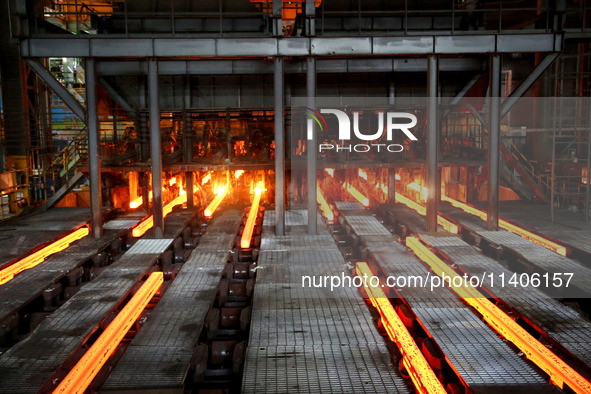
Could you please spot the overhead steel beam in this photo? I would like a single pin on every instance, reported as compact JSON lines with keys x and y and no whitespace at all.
{"x":117,"y":97}
{"x":220,"y":47}
{"x":494,"y":134}
{"x":279,"y":150}
{"x":261,"y":66}
{"x":432,"y":148}
{"x":155,"y":150}
{"x":527,"y":83}
{"x":94,"y":163}
{"x":312,"y":149}
{"x":58,"y":88}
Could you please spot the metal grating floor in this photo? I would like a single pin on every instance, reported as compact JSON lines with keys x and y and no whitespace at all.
{"x":564,"y":324}
{"x":31,"y":283}
{"x":349,"y":206}
{"x":159,"y":356}
{"x":23,"y":234}
{"x":366,"y":225}
{"x":31,"y":362}
{"x":311,"y":339}
{"x":320,"y":369}
{"x":479,"y":356}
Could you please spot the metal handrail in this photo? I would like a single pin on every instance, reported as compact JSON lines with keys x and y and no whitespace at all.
{"x":82,"y":14}
{"x":542,"y":179}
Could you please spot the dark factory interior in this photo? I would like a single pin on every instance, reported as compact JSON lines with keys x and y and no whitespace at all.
{"x":272,"y":196}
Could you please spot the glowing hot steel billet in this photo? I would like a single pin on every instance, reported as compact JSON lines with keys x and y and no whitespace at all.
{"x":324,"y":207}
{"x":421,"y":210}
{"x":252,"y":216}
{"x":357,"y":195}
{"x":139,"y":201}
{"x":148,"y":222}
{"x":523,"y":233}
{"x":421,"y":373}
{"x":221,"y":193}
{"x":80,"y":377}
{"x":559,"y":371}
{"x":39,"y":256}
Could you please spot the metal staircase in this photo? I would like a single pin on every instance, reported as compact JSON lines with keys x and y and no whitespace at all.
{"x":530,"y":178}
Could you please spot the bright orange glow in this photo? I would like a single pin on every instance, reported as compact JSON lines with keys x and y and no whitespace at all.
{"x":221,"y":193}
{"x":238,"y":174}
{"x":80,"y":377}
{"x":421,"y":210}
{"x":554,"y":366}
{"x":363,"y":174}
{"x":418,"y":188}
{"x":330,"y":171}
{"x":138,"y":202}
{"x":206,"y":178}
{"x":39,"y":256}
{"x":172,"y":181}
{"x":414,"y":361}
{"x":397,"y":177}
{"x":523,"y":233}
{"x":148,"y":222}
{"x":324,"y":207}
{"x":357,"y":195}
{"x":252,"y":216}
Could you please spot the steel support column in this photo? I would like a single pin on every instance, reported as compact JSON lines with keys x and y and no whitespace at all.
{"x":279,"y":150}
{"x":155,"y":152}
{"x":311,"y":148}
{"x":432,"y":148}
{"x":188,"y":157}
{"x":391,"y":186}
{"x":94,"y":163}
{"x":188,"y":143}
{"x":494,"y":132}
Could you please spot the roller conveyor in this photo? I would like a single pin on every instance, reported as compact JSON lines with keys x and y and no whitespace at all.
{"x":562,"y":323}
{"x":525,"y":250}
{"x":159,"y":356}
{"x":31,"y":283}
{"x":311,"y":340}
{"x":478,"y":355}
{"x":23,"y":234}
{"x":32,"y":362}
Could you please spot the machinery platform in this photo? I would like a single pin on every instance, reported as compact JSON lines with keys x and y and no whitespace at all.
{"x":562,"y":323}
{"x":21,"y":235}
{"x":482,"y":359}
{"x":526,"y":251}
{"x":159,"y":356}
{"x":32,"y":362}
{"x":311,"y":339}
{"x":32,"y":283}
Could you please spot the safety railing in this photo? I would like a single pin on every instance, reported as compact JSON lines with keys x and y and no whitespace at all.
{"x":255,"y":17}
{"x":543,"y":180}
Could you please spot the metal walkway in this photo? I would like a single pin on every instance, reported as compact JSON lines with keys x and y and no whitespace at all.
{"x":479,"y":356}
{"x":159,"y":356}
{"x":21,"y":235}
{"x":32,"y":283}
{"x":526,"y":251}
{"x":311,"y":339}
{"x":561,"y":322}
{"x":31,"y":363}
